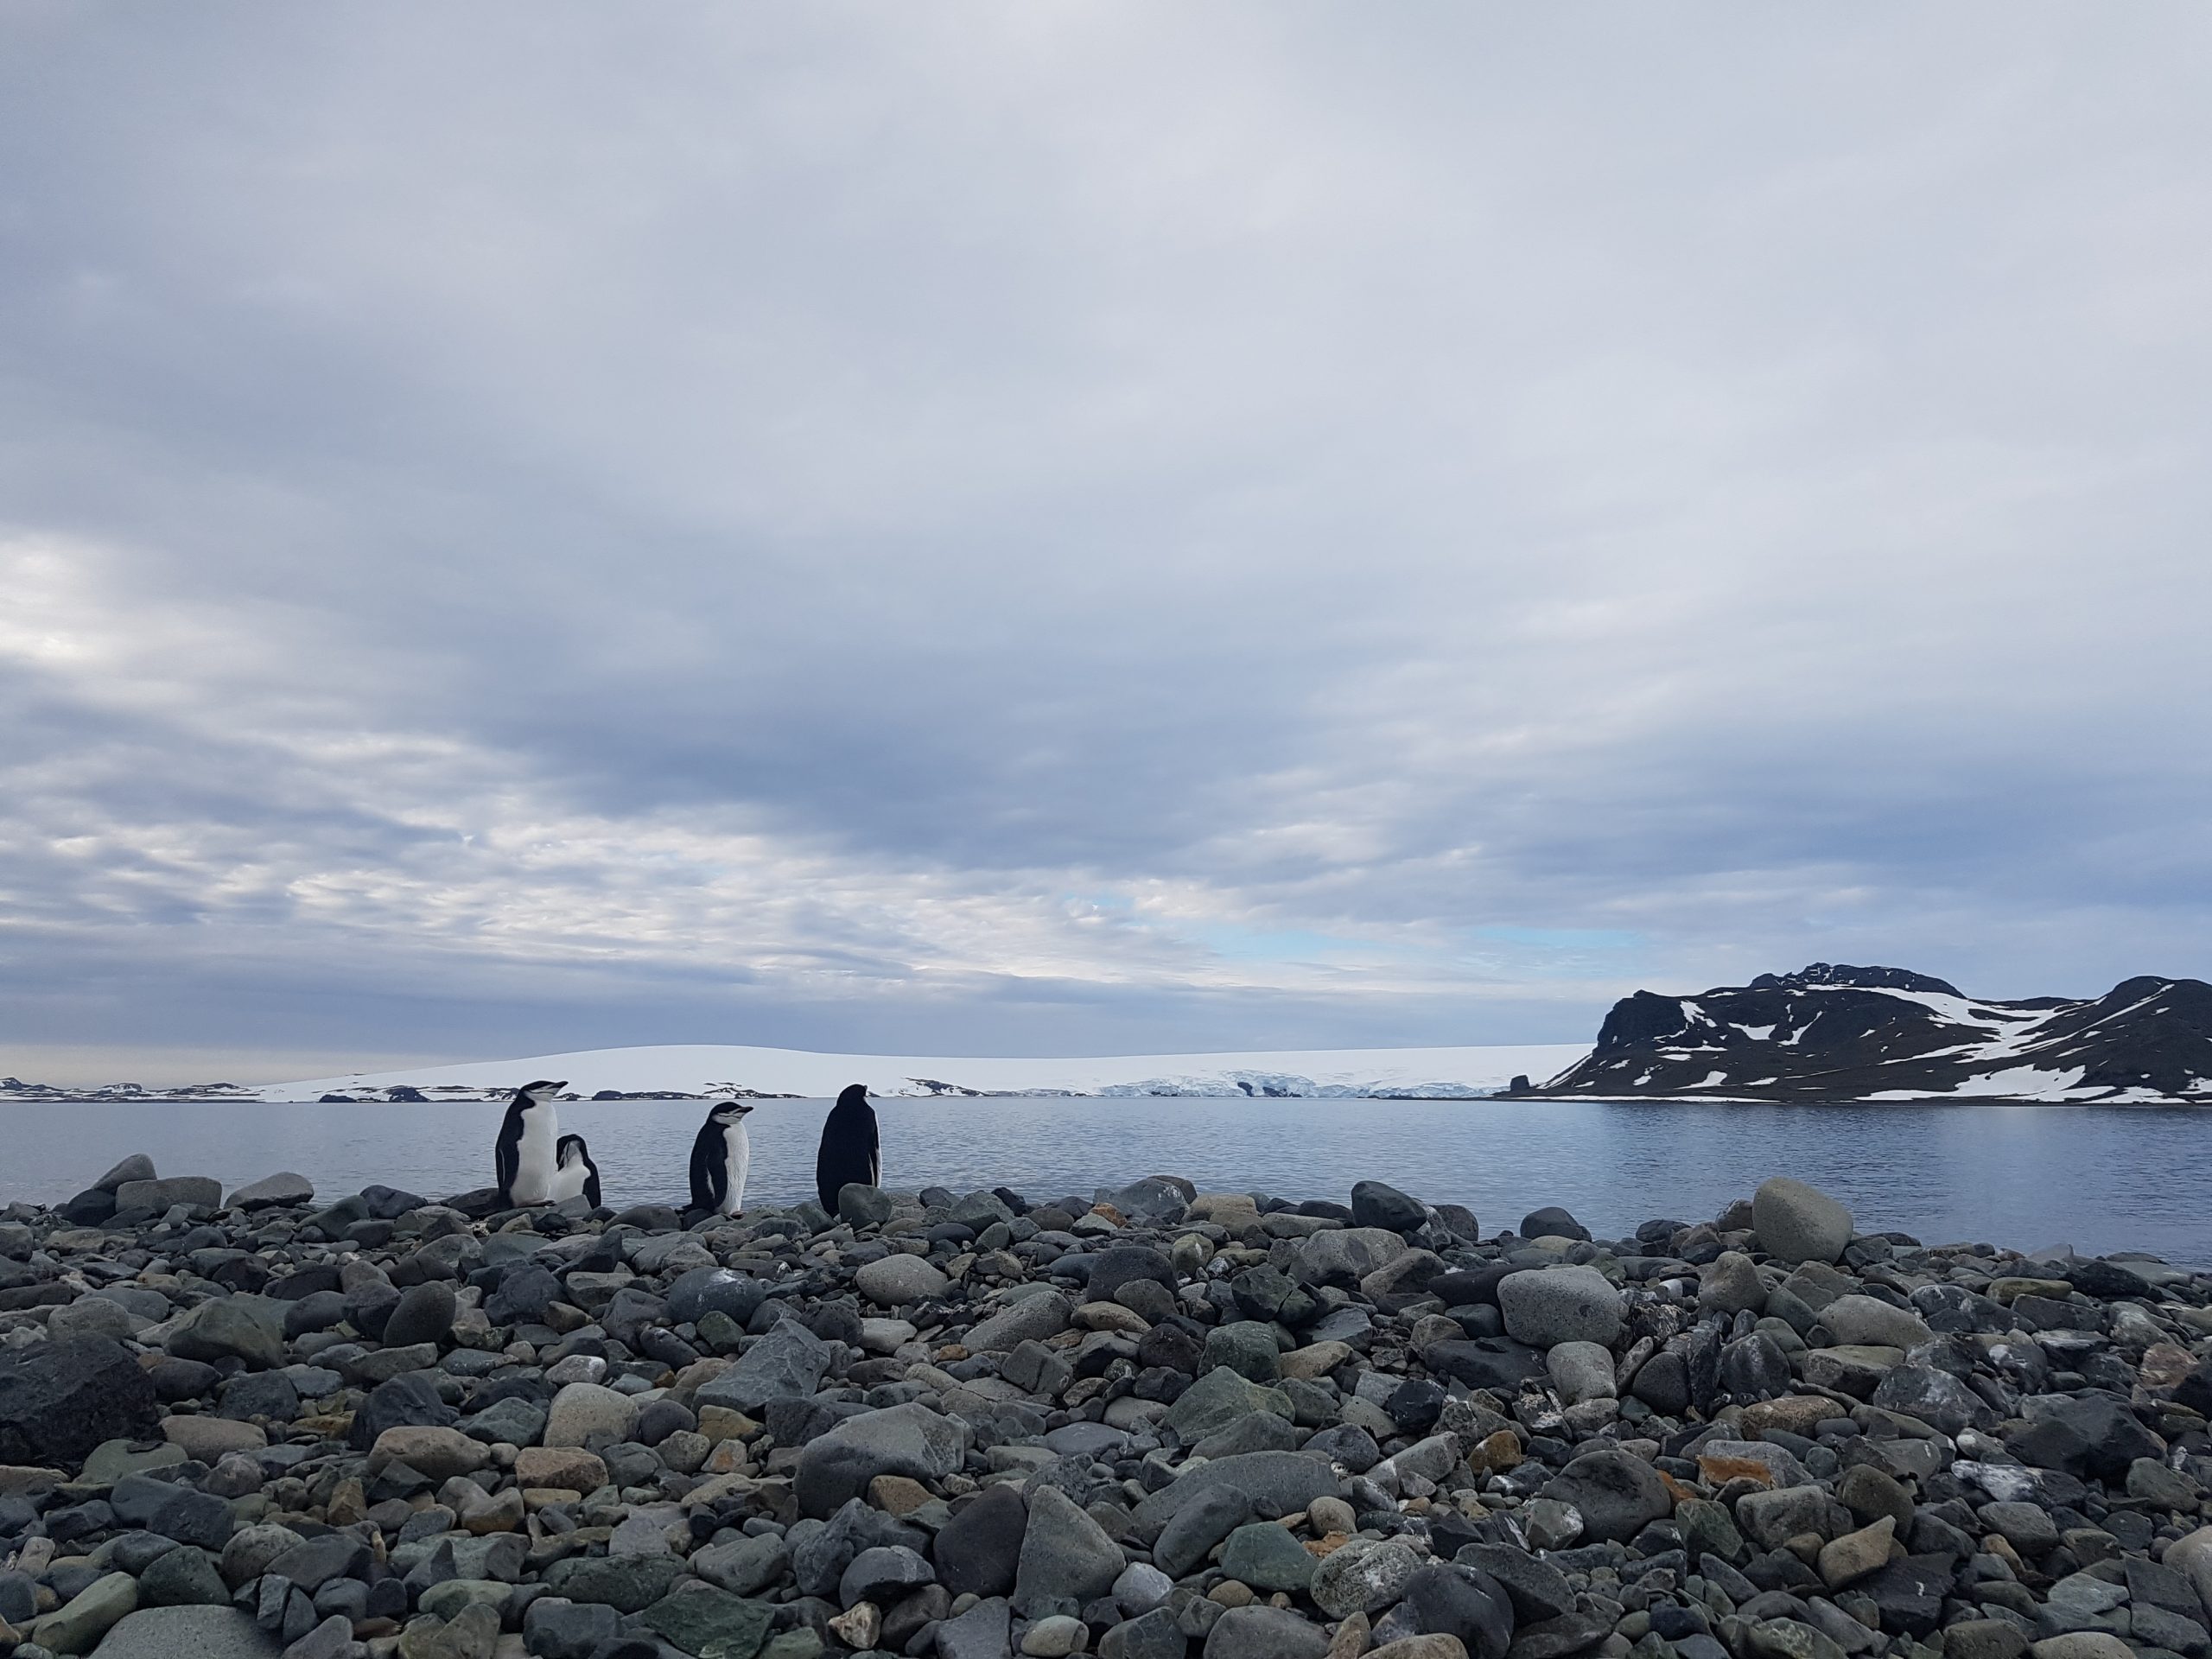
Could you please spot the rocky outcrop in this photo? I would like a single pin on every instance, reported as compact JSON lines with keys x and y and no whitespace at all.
{"x":1833,"y":1032}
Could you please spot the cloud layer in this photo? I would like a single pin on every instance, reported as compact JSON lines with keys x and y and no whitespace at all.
{"x":1030,"y":530}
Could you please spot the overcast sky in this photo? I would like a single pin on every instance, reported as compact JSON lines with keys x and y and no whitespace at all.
{"x":1062,"y":529}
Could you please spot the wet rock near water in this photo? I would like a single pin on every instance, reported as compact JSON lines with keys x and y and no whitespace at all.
{"x":1150,"y":1424}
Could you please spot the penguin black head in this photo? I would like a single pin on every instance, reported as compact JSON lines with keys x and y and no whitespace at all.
{"x":571,"y":1149}
{"x":539,"y":1093}
{"x":855,"y":1094}
{"x":727,"y":1112}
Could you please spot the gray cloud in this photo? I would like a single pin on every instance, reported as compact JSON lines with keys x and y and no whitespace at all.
{"x":1015,"y":531}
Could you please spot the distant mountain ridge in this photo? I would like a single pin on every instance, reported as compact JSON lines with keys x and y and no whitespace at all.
{"x":1832,"y":1032}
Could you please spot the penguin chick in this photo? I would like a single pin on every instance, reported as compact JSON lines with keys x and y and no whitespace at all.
{"x":577,"y":1176}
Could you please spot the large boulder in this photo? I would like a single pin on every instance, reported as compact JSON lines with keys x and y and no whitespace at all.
{"x":1463,"y":1602}
{"x":425,"y":1313}
{"x":1345,"y":1255}
{"x":1031,"y":1319}
{"x":714,"y":1290}
{"x":1066,"y":1555}
{"x":786,"y":1364}
{"x":1158,"y":1198}
{"x":1375,"y":1204}
{"x":977,"y":1549}
{"x":1496,"y":1362}
{"x":2093,"y":1435}
{"x":1866,"y":1321}
{"x":193,"y":1191}
{"x":903,"y":1440}
{"x":273,"y":1191}
{"x":1546,"y":1306}
{"x":1123,"y":1264}
{"x":1615,"y":1493}
{"x":1218,"y":1399}
{"x":411,"y":1397}
{"x":136,"y":1168}
{"x":1365,"y":1576}
{"x":60,"y":1398}
{"x":188,"y":1632}
{"x":1553,"y":1222}
{"x":583,"y":1410}
{"x":900,"y":1279}
{"x":1936,"y":1397}
{"x":1273,"y":1482}
{"x":1796,"y":1222}
{"x":1263,"y":1632}
{"x":230,"y":1327}
{"x":2192,"y":1557}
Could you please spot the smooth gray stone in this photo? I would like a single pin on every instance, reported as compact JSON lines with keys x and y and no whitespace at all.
{"x":193,"y":1632}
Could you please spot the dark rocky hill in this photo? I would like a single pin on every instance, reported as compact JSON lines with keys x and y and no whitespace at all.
{"x":1833,"y":1032}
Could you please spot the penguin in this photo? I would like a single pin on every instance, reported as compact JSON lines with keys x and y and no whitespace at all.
{"x":720,"y":1157}
{"x":526,"y":1151}
{"x":577,"y":1177}
{"x":849,"y":1151}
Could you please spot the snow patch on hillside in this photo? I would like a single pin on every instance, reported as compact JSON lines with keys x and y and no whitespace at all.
{"x":701,"y":1069}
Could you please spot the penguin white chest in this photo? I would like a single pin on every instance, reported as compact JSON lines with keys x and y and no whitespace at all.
{"x":535,"y":1157}
{"x":737,"y":1158}
{"x":569,"y":1180}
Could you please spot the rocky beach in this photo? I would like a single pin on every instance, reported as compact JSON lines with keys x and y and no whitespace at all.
{"x":1154,"y":1423}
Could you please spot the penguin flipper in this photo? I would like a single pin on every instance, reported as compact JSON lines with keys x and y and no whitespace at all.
{"x":506,"y":1160}
{"x":705,"y":1166}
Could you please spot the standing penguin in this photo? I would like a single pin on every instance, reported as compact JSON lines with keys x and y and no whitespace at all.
{"x":849,"y":1151}
{"x":577,"y":1176}
{"x":527,"y":1152}
{"x":720,"y":1157}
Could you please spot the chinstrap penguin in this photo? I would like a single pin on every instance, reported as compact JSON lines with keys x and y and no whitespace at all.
{"x":528,"y":1148}
{"x":850,"y":1152}
{"x":577,"y":1176}
{"x":720,"y":1157}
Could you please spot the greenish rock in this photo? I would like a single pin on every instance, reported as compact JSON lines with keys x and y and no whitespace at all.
{"x":1709,"y":1529}
{"x":230,"y":1327}
{"x":447,"y":1600}
{"x":472,"y":1633}
{"x":1218,"y":1399}
{"x":802,"y":1643}
{"x":1265,"y":1556}
{"x":1256,"y":1431}
{"x":1247,"y":1347}
{"x":183,"y":1577}
{"x":501,"y":1555}
{"x":629,"y":1583}
{"x":90,"y":1614}
{"x":110,"y":1460}
{"x":721,"y":1333}
{"x":712,"y":1623}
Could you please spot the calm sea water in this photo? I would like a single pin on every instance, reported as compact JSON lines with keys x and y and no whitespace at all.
{"x":2098,"y":1179}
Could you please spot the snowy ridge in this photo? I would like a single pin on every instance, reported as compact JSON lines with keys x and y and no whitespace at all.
{"x":702,"y":1069}
{"x":1832,"y":1032}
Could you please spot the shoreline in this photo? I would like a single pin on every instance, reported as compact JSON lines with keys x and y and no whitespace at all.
{"x":1152,"y":1422}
